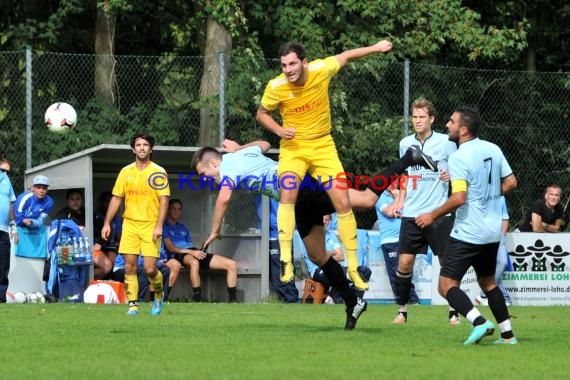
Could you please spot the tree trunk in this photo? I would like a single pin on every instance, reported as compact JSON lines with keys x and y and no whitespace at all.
{"x":105,"y":79}
{"x":531,"y":59}
{"x":218,"y":41}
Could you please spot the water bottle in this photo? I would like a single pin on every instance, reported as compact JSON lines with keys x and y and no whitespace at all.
{"x":69,"y":249}
{"x":88,"y":253}
{"x":82,"y":255}
{"x":76,"y":251}
{"x":57,"y":251}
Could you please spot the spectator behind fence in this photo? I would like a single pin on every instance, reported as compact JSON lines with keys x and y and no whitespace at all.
{"x":545,"y":214}
{"x":105,"y":251}
{"x":178,"y":245}
{"x":74,"y":209}
{"x":7,"y":225}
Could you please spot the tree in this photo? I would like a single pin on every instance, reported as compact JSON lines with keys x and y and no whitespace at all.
{"x":546,"y":24}
{"x":216,"y":63}
{"x":105,"y":77}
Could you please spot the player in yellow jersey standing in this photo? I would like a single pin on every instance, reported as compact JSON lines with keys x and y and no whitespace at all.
{"x":301,"y":95}
{"x":144,"y":187}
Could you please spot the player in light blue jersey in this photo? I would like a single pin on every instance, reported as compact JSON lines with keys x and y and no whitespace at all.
{"x":8,"y":232}
{"x":260,"y":175}
{"x":287,"y":292}
{"x":389,"y":227}
{"x":312,"y":204}
{"x":480,"y":174}
{"x":424,"y":190}
{"x":502,"y":259}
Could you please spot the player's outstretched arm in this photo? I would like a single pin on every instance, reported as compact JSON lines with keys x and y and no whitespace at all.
{"x":222,"y":202}
{"x":232,"y":146}
{"x":353,"y":54}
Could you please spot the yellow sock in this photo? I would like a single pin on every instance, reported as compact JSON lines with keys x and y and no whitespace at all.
{"x":131,"y":287}
{"x":286,"y":226}
{"x":156,"y":283}
{"x":347,"y":235}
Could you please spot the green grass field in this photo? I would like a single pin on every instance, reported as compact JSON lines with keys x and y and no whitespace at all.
{"x":271,"y":341}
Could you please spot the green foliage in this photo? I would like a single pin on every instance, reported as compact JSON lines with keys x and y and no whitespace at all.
{"x":115,"y":5}
{"x":243,"y":92}
{"x":418,"y":29}
{"x":32,"y":26}
{"x":227,"y":13}
{"x":545,"y":24}
{"x":99,"y":123}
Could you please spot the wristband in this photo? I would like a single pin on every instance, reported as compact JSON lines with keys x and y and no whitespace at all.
{"x":12,"y":222}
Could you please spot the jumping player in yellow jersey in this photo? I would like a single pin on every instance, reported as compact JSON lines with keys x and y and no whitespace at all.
{"x":301,"y":95}
{"x":144,"y":186}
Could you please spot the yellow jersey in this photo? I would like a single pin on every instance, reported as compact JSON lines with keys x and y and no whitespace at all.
{"x":305,"y":108}
{"x":141,"y":199}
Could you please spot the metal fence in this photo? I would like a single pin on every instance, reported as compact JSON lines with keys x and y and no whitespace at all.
{"x":527,"y":114}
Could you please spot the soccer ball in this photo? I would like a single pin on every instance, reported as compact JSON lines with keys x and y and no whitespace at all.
{"x":20,"y":297}
{"x":36,"y":297}
{"x":60,"y":118}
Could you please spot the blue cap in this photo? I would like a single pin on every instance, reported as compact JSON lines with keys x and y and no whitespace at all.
{"x":41,"y":180}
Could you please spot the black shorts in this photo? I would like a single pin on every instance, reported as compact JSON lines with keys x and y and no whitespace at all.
{"x":415,"y":240}
{"x":310,"y":208}
{"x":460,"y":255}
{"x":204,"y":263}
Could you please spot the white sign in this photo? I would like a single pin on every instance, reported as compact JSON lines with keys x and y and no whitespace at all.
{"x":540,"y":273}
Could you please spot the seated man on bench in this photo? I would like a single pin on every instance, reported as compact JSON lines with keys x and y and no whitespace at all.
{"x":178,"y":244}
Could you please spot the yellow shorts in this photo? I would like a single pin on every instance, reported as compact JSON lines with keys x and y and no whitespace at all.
{"x":318,"y":157}
{"x":136,"y":238}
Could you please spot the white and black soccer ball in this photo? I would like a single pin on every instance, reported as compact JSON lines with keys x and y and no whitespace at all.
{"x":60,"y":118}
{"x":36,"y":297}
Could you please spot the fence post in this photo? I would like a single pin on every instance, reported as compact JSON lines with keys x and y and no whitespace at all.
{"x":222,"y":100}
{"x":406,"y":97}
{"x":28,"y":106}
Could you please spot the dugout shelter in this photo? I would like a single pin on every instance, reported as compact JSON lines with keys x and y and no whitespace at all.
{"x":245,"y":236}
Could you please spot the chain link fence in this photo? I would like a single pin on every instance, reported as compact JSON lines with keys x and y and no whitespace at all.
{"x":527,"y":114}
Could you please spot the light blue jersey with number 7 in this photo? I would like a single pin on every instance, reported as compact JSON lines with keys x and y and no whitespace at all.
{"x":483,"y":165}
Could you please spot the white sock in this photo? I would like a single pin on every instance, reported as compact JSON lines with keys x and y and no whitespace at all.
{"x":505,"y":326}
{"x":472,"y":315}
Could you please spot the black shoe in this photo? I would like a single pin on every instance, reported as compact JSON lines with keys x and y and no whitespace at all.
{"x":422,"y":159}
{"x":354,"y":312}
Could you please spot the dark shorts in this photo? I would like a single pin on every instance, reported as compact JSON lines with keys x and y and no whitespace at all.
{"x":415,"y":240}
{"x":204,"y":263}
{"x":310,"y":208}
{"x":460,"y":255}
